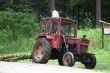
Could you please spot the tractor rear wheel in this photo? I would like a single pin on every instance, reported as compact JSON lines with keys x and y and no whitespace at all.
{"x":68,"y":59}
{"x":41,"y":51}
{"x":92,"y":62}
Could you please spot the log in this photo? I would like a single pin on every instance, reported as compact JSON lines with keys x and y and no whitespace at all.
{"x":14,"y":58}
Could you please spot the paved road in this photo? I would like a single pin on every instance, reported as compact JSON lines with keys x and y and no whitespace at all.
{"x":12,"y":67}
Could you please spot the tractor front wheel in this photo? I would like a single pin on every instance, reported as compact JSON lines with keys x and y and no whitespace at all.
{"x":68,"y":59}
{"x":92,"y":62}
{"x":60,"y":59}
{"x":41,"y":51}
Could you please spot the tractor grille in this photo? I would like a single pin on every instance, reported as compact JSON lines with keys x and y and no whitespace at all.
{"x":84,"y":45}
{"x":83,"y":49}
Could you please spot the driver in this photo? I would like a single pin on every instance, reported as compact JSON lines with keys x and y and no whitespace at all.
{"x":54,"y":13}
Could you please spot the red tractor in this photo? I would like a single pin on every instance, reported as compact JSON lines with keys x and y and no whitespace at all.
{"x":58,"y":40}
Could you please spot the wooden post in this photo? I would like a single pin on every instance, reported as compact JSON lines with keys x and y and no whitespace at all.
{"x":98,"y":12}
{"x":102,"y":35}
{"x":105,"y":31}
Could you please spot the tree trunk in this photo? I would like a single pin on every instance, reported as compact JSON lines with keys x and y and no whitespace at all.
{"x":98,"y":12}
{"x":52,"y":4}
{"x":14,"y":58}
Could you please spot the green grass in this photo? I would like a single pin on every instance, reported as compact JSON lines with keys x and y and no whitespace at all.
{"x":103,"y":60}
{"x":25,"y":45}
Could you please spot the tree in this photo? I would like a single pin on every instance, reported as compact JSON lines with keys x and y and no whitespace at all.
{"x":98,"y":12}
{"x":52,"y":4}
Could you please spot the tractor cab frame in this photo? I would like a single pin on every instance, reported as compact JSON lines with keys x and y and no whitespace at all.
{"x":54,"y":28}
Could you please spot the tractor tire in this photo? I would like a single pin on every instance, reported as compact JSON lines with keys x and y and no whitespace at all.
{"x":60,"y":59}
{"x":68,"y":59}
{"x":92,"y":63}
{"x":41,"y":51}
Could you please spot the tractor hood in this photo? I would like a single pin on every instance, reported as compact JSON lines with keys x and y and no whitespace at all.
{"x":81,"y":43}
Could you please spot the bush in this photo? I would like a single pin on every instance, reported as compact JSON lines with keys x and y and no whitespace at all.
{"x":86,"y":20}
{"x":14,"y":25}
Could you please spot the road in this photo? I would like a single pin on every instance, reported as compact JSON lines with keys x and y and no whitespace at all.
{"x":13,"y":67}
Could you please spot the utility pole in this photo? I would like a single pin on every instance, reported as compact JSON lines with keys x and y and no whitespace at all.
{"x":98,"y":12}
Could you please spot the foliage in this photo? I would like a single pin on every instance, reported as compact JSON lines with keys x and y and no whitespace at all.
{"x":14,"y":25}
{"x":69,"y":8}
{"x":86,"y":20}
{"x":76,"y":2}
{"x":94,"y":35}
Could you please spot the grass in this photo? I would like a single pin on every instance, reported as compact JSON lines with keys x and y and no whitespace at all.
{"x":24,"y":45}
{"x":103,"y":60}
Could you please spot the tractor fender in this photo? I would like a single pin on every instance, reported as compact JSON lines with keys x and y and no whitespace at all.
{"x":86,"y":54}
{"x":40,"y":37}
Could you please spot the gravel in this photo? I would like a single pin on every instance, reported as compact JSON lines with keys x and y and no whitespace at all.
{"x":13,"y":67}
